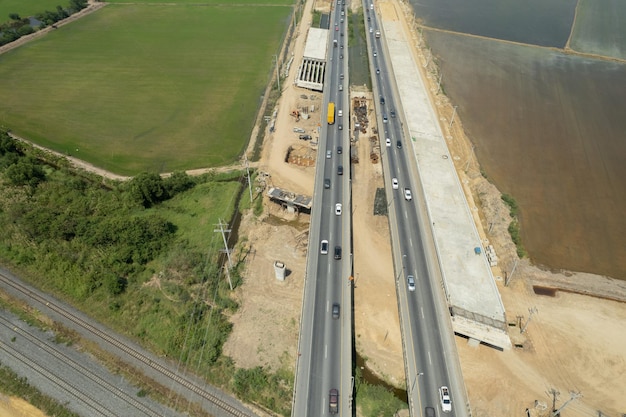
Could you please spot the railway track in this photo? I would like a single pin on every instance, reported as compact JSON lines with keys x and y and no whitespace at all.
{"x":127,"y":349}
{"x":68,"y":361}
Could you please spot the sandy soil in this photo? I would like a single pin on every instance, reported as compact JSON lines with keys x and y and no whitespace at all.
{"x":16,"y":407}
{"x":572,"y":342}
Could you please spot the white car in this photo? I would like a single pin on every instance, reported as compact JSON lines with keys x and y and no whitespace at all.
{"x":338,"y":209}
{"x":407,"y":195}
{"x":388,"y":142}
{"x":394,"y":183}
{"x":324,"y":247}
{"x":444,"y":396}
{"x":410,"y":282}
{"x":375,"y":54}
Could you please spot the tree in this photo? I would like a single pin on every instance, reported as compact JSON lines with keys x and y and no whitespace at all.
{"x":27,"y":171}
{"x":178,"y":182}
{"x":148,"y":189}
{"x":14,"y":16}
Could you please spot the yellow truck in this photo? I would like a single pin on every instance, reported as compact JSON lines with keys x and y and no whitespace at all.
{"x":331,"y":113}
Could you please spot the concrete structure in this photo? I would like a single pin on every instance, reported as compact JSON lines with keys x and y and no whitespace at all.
{"x":313,"y":68}
{"x":473,"y":298}
{"x":291,"y":200}
{"x":279,"y":270}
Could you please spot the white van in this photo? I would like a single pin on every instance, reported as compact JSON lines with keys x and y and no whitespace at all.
{"x":339,"y":113}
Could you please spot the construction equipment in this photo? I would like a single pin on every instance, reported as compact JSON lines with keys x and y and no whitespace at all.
{"x":296,"y":114}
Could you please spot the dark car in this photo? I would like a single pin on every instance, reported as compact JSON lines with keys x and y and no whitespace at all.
{"x":336,"y":310}
{"x":393,"y":113}
{"x":340,"y":170}
{"x":333,"y":401}
{"x":327,"y":183}
{"x":339,"y":149}
{"x":337,"y":252}
{"x":399,"y":144}
{"x":382,"y":100}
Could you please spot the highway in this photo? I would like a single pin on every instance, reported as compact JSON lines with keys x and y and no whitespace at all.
{"x":325,"y":345}
{"x":423,"y":308}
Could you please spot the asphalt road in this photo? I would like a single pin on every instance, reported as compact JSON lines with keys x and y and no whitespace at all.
{"x":325,"y":345}
{"x":422,"y":310}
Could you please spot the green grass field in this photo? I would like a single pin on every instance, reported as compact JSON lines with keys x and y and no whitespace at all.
{"x":27,"y":8}
{"x":207,"y":2}
{"x":133,"y":88}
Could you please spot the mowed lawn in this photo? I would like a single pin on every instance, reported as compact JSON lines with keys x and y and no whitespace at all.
{"x":145,"y":87}
{"x":26,"y":8}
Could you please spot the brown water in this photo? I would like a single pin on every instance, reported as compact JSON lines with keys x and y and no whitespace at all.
{"x":550,"y":130}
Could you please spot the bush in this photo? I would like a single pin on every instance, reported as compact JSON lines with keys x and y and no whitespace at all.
{"x":514,"y":231}
{"x":510,"y":201}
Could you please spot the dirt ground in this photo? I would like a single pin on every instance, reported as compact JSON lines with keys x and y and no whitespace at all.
{"x":571,"y":342}
{"x":16,"y":407}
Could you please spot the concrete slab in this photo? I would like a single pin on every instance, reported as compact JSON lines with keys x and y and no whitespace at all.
{"x":470,"y":288}
{"x":316,"y":44}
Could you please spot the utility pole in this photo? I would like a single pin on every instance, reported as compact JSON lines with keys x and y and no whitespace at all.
{"x":530,"y":316}
{"x":509,"y":276}
{"x":245,"y":161}
{"x":277,"y":73}
{"x":573,"y":396}
{"x":452,"y":119}
{"x":555,"y":394}
{"x":230,"y":262}
{"x":428,"y":59}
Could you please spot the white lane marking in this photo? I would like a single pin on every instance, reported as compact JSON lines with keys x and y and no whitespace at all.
{"x":422,"y":308}
{"x":327,"y":306}
{"x":410,"y":242}
{"x":325,"y":351}
{"x":430,"y":360}
{"x":406,"y":215}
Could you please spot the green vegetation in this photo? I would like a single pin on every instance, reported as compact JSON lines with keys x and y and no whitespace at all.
{"x":514,"y":228}
{"x":510,"y":201}
{"x":375,"y":400}
{"x":26,"y":8}
{"x":12,"y":384}
{"x":259,"y":386}
{"x":357,"y":46}
{"x":209,"y":2}
{"x":514,"y":231}
{"x":380,"y":203}
{"x":126,"y":95}
{"x":19,"y":26}
{"x":140,"y":256}
{"x":317,"y":18}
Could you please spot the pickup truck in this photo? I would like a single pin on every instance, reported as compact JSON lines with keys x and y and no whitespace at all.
{"x":444,"y":396}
